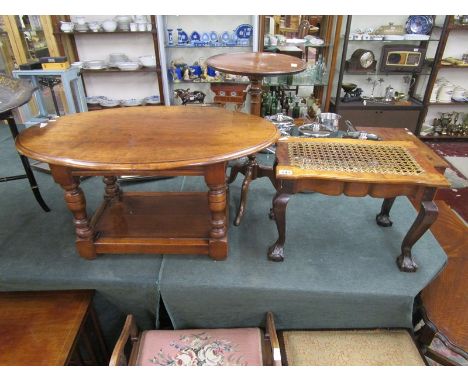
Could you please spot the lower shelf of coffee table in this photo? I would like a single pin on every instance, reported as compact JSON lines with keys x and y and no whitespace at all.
{"x":156,"y":223}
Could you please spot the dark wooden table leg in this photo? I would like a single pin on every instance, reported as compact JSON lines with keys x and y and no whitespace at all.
{"x":426,"y":216}
{"x":252,"y":170}
{"x":76,"y":203}
{"x":280,"y":202}
{"x":255,"y":95}
{"x":383,"y":218}
{"x":112,"y":189}
{"x":215,"y":178}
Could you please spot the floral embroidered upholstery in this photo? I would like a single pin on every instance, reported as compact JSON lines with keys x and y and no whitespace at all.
{"x":201,"y":347}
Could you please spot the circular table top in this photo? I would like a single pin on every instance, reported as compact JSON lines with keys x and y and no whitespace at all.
{"x":258,"y":64}
{"x":147,"y":138}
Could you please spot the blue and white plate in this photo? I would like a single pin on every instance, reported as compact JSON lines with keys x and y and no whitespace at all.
{"x":182,"y":37}
{"x":244,"y":31}
{"x":195,"y":36}
{"x":205,"y":38}
{"x":225,"y":37}
{"x":213,"y":36}
{"x":419,"y":24}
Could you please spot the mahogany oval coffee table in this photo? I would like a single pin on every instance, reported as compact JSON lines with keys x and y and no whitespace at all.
{"x":256,"y":66}
{"x":148,"y":140}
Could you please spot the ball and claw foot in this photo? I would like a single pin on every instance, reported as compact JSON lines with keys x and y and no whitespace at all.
{"x":406,"y":264}
{"x":383,"y":220}
{"x":275,"y":253}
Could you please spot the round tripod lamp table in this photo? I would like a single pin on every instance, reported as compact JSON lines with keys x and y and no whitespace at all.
{"x":148,"y":141}
{"x":256,"y":66}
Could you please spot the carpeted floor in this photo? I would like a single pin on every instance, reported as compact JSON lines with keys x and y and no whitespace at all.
{"x":339,"y":270}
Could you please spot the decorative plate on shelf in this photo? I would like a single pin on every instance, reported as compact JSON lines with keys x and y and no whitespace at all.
{"x":225,"y":37}
{"x":195,"y":36}
{"x":213,"y":36}
{"x":419,"y":24}
{"x":182,"y":37}
{"x":205,"y":38}
{"x":244,"y":31}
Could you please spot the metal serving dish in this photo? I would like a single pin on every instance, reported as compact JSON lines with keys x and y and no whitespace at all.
{"x":314,"y":129}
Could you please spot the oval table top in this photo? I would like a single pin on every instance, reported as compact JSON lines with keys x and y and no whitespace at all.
{"x":147,"y":138}
{"x":258,"y":64}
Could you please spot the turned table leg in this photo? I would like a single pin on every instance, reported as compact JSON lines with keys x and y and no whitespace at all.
{"x":215,"y":178}
{"x":112,"y":189}
{"x":426,"y":216}
{"x":383,"y":218}
{"x":280,"y":202}
{"x":76,"y":203}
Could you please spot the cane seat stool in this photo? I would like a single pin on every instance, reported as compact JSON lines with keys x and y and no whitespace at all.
{"x":197,"y":347}
{"x":379,"y":347}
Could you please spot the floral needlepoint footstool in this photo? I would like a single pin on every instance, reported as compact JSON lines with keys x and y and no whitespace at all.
{"x":204,"y":347}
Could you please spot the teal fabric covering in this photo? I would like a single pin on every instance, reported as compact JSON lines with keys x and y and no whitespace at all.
{"x":37,"y":249}
{"x":339,"y":269}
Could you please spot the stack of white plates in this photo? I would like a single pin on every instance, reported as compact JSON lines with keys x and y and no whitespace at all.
{"x":128,"y":66}
{"x":95,"y":64}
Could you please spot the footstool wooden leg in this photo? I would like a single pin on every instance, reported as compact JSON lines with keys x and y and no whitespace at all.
{"x":76,"y":203}
{"x":383,"y":218}
{"x":280,"y":202}
{"x":427,"y":215}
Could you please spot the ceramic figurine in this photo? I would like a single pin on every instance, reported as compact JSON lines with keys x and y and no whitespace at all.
{"x":186,"y":96}
{"x":187,"y":74}
{"x":170,"y":37}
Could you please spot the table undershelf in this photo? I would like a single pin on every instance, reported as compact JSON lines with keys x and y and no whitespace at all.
{"x":154,"y":223}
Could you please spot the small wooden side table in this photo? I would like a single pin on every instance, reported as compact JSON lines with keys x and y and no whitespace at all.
{"x":50,"y":328}
{"x":384,"y":169}
{"x":256,"y":66}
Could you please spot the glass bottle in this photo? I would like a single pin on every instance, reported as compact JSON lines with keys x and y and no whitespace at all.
{"x":273,"y":103}
{"x":296,"y":112}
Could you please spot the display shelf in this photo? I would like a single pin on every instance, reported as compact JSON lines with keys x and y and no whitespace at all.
{"x":458,"y":27}
{"x":443,"y":137}
{"x":449,"y":103}
{"x":442,"y":66}
{"x":210,"y":82}
{"x":93,"y":107}
{"x":370,"y":105}
{"x":103,"y":32}
{"x":394,"y":41}
{"x":207,"y":46}
{"x":116,"y":70}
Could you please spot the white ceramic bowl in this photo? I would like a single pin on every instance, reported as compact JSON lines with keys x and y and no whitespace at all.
{"x":67,"y":27}
{"x":109,"y":25}
{"x":148,"y":61}
{"x":116,"y":58}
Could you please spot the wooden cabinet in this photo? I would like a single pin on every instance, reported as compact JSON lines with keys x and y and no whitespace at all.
{"x":382,"y":118}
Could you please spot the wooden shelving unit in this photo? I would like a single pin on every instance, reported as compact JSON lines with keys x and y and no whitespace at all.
{"x":329,"y":32}
{"x":409,"y":115}
{"x":450,"y":26}
{"x":67,"y":46}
